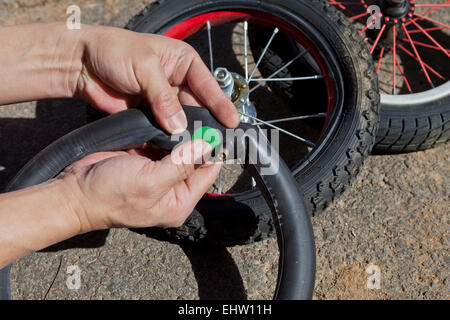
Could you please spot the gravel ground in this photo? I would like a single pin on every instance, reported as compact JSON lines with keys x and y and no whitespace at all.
{"x":395,"y":216}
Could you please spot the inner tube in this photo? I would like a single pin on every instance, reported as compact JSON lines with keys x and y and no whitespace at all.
{"x":134,"y":127}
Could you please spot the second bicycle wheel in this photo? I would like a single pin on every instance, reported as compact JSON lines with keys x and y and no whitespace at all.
{"x":324,"y":140}
{"x":410,"y":46}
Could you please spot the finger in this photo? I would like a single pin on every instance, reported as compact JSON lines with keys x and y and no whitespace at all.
{"x":186,"y":97}
{"x":201,"y":180}
{"x":162,"y":98}
{"x":188,"y":193}
{"x":206,"y":88}
{"x":181,"y":163}
{"x":92,"y":159}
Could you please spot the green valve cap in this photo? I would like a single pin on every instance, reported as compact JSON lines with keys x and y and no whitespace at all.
{"x":210,"y":135}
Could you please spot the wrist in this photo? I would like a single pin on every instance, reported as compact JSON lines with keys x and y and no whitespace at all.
{"x":67,"y":63}
{"x":80,"y":206}
{"x":39,"y":61}
{"x":35,"y":218}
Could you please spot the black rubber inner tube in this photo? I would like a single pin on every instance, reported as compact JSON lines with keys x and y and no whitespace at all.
{"x":132,"y":128}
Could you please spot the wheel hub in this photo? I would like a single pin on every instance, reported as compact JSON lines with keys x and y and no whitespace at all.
{"x":237,"y":90}
{"x":394,"y":8}
{"x":396,"y":11}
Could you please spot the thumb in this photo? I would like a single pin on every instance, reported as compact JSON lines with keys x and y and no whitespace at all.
{"x":182,"y":163}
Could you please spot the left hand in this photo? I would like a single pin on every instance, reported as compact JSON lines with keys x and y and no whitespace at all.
{"x":121,"y":68}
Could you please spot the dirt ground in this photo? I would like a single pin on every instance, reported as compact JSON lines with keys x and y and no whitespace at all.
{"x":393,"y":220}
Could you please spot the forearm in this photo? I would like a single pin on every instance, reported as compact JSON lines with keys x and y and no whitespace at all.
{"x":39,"y":61}
{"x":35,"y":218}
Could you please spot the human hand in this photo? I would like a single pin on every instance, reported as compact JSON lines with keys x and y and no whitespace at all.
{"x":116,"y":189}
{"x":122,"y":68}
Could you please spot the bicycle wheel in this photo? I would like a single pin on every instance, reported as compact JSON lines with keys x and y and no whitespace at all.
{"x":324,"y":144}
{"x":410,"y":49}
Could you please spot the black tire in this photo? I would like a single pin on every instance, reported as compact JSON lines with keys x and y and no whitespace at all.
{"x":419,"y":127}
{"x":327,"y":171}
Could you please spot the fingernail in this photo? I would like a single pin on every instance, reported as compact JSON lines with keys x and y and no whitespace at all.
{"x":177,"y":123}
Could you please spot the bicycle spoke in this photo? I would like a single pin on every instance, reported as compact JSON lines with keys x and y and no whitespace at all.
{"x":367,"y":26}
{"x":219,"y":188}
{"x":379,"y":59}
{"x":280,"y":69}
{"x":431,"y":38}
{"x":318,"y":76}
{"x":440,"y":5}
{"x":403,"y":75}
{"x":275,"y":31}
{"x":427,"y":29}
{"x":425,"y":45}
{"x":211,"y":62}
{"x":308,"y":142}
{"x":346,"y":3}
{"x":358,"y":16}
{"x":318,"y":115}
{"x":377,"y":39}
{"x":426,"y":65}
{"x":418,"y":56}
{"x":343,"y":7}
{"x":426,"y":13}
{"x":245,"y":49}
{"x":431,"y":20}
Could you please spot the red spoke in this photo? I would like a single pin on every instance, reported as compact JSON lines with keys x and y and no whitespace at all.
{"x":377,"y":39}
{"x":427,"y":13}
{"x":427,"y":29}
{"x":343,"y":7}
{"x":435,"y":8}
{"x":425,"y":45}
{"x":367,"y":26}
{"x":340,"y":5}
{"x":431,"y":20}
{"x":358,"y":16}
{"x":440,"y":5}
{"x":403,"y":75}
{"x":379,"y":59}
{"x":346,"y":3}
{"x":395,"y":59}
{"x":417,"y":55}
{"x":426,"y":65}
{"x":431,"y":38}
{"x":354,"y":3}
